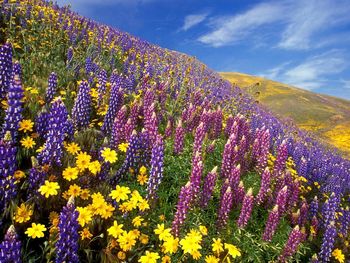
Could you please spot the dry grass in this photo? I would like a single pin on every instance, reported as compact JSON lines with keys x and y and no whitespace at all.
{"x":328,"y":117}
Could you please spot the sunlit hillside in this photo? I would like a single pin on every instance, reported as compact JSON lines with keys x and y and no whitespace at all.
{"x":326,"y":116}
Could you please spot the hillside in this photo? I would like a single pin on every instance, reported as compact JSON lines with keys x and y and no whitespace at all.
{"x":113,"y":149}
{"x":328,"y":117}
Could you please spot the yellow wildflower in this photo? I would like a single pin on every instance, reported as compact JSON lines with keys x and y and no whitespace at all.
{"x":211,"y":259}
{"x":170,"y":244}
{"x":115,"y":230}
{"x":23,"y":213}
{"x":109,"y":155}
{"x":49,"y":188}
{"x":85,"y":216}
{"x":149,"y":257}
{"x":120,"y":193}
{"x":28,"y":142}
{"x":83,"y":161}
{"x":217,"y":246}
{"x":142,"y":179}
{"x":95,"y":167}
{"x":162,"y":232}
{"x":232,"y":250}
{"x":70,"y":173}
{"x":73,"y":148}
{"x":338,"y":255}
{"x":137,"y":221}
{"x":36,"y":230}
{"x":127,"y":240}
{"x":123,"y":147}
{"x":26,"y":125}
{"x":85,"y":234}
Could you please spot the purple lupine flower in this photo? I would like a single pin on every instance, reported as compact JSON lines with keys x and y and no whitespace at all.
{"x":151,"y":126}
{"x":196,"y":174}
{"x":303,"y":213}
{"x":102,"y":80}
{"x":115,"y":103}
{"x":265,"y":187}
{"x":156,"y":173}
{"x":226,"y":164}
{"x":179,"y":138}
{"x":41,"y":122}
{"x":67,"y":243}
{"x":235,"y":176}
{"x":8,"y":165}
{"x":329,"y":209}
{"x":169,"y":129}
{"x":118,"y":130}
{"x":344,"y":221}
{"x":229,"y":123}
{"x":271,"y":224}
{"x":10,"y":247}
{"x":211,"y":147}
{"x":281,"y":199}
{"x":36,"y":178}
{"x":14,"y":111}
{"x":69,"y":56}
{"x":182,"y":208}
{"x":82,"y":107}
{"x":246,"y":211}
{"x":57,"y":130}
{"x":129,"y":128}
{"x":294,"y":194}
{"x":132,"y":159}
{"x":225,"y":207}
{"x":280,"y":162}
{"x":198,"y":138}
{"x":294,"y":239}
{"x":51,"y":88}
{"x":5,"y":69}
{"x":264,"y":151}
{"x":208,"y":187}
{"x":313,"y":208}
{"x":328,"y":242}
{"x":217,"y":123}
{"x":238,"y":194}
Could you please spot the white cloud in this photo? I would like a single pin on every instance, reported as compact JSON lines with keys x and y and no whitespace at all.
{"x":297,"y":23}
{"x":312,"y":73}
{"x":228,"y":30}
{"x":310,"y":18}
{"x":193,"y":20}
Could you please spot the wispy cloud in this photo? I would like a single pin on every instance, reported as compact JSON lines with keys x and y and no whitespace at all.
{"x":311,"y":18}
{"x":297,"y":23}
{"x":312,"y":73}
{"x":229,"y":30}
{"x":193,"y":20}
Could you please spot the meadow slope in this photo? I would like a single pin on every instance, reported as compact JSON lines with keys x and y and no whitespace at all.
{"x":326,"y":116}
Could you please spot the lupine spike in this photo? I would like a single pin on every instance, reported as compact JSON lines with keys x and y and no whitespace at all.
{"x":247,"y":207}
{"x":179,"y":138}
{"x":52,"y":87}
{"x":82,"y":107}
{"x":67,"y":243}
{"x":182,"y":208}
{"x":208,"y":187}
{"x":156,"y":173}
{"x":10,"y":247}
{"x":271,"y":224}
{"x":294,"y":239}
{"x":225,"y":207}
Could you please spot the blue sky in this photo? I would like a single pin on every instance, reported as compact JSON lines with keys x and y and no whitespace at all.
{"x":305,"y":43}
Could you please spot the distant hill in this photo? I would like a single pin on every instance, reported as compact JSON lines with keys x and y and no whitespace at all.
{"x":326,"y":116}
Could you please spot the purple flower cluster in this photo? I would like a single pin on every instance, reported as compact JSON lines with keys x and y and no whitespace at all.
{"x":5,"y":68}
{"x":182,"y":208}
{"x":52,"y":87}
{"x":82,"y":107}
{"x":208,"y":187}
{"x":14,"y":111}
{"x":247,"y":207}
{"x":179,"y":138}
{"x":10,"y":247}
{"x":67,"y":243}
{"x":57,"y":129}
{"x":156,"y":173}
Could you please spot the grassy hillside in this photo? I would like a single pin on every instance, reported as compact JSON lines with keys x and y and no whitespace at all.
{"x":326,"y":116}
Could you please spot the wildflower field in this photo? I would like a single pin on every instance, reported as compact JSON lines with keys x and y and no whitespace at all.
{"x":116,"y":150}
